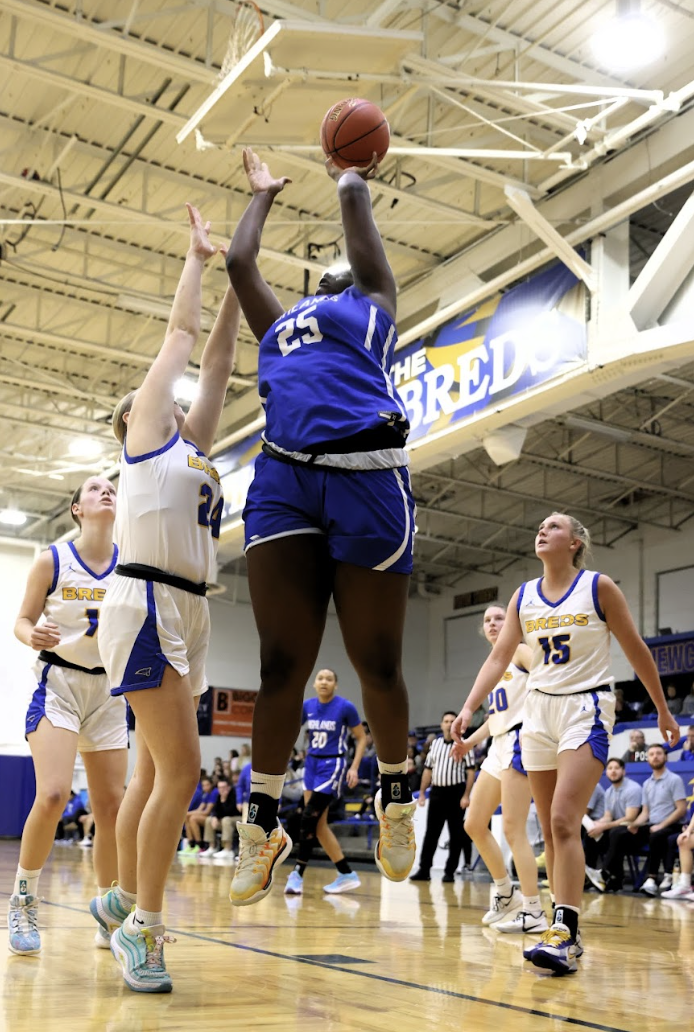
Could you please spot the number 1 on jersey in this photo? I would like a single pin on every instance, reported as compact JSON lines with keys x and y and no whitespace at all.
{"x":93,"y":616}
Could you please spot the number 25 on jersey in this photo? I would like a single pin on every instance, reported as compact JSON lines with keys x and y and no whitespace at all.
{"x":289,"y":335}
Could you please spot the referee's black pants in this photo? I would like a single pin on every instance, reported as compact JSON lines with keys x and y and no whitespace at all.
{"x":444,"y":808}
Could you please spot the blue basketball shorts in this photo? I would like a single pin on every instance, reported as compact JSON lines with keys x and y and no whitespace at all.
{"x":324,"y":775}
{"x":367,"y":516}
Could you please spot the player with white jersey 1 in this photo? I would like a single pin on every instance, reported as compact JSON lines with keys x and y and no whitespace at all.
{"x":330,"y":511}
{"x":155,"y":628}
{"x":566,"y":617}
{"x":72,"y":709}
{"x":328,"y":719}
{"x":503,"y":780}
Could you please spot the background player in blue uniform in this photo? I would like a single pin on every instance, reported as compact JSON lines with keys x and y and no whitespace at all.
{"x":72,"y":708}
{"x":330,"y":511}
{"x":328,"y":718}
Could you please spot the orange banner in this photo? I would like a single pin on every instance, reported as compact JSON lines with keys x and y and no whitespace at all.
{"x":232,"y":712}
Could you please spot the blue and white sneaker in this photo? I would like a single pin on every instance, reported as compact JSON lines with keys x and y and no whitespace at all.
{"x":295,"y":884}
{"x":23,"y":925}
{"x":556,"y":950}
{"x":109,"y":913}
{"x":140,"y":954}
{"x":102,"y":940}
{"x":343,"y":883}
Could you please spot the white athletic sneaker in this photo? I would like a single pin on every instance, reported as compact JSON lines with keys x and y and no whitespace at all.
{"x":224,"y":854}
{"x":295,"y":884}
{"x":395,"y":849}
{"x":682,"y":890}
{"x":22,"y":924}
{"x":259,"y":855}
{"x":502,"y":907}
{"x":207,"y":853}
{"x":102,"y":940}
{"x":86,"y":843}
{"x":666,"y":883}
{"x":524,"y":923}
{"x":650,"y":887}
{"x":595,"y":876}
{"x":140,"y":954}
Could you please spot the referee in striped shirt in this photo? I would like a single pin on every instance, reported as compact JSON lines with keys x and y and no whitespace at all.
{"x":451,"y":783}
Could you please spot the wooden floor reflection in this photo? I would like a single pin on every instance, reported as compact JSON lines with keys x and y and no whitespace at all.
{"x":387,"y":957}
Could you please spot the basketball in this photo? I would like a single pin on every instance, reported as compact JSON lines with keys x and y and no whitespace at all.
{"x":352,"y":131}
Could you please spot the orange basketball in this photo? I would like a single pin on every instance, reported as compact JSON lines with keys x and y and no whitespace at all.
{"x":352,"y":131}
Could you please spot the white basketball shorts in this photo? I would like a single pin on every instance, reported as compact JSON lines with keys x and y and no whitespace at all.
{"x":78,"y":702}
{"x":553,"y":723}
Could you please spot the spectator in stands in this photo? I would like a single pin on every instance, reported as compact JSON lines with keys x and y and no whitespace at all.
{"x":414,"y":776}
{"x":688,"y":703}
{"x":682,"y":889}
{"x":196,"y":817}
{"x":224,"y":816}
{"x":688,"y":750}
{"x":451,"y":783}
{"x":244,"y":755}
{"x":217,"y":769}
{"x":674,"y":703}
{"x":623,"y":712}
{"x":234,"y":764}
{"x":412,"y":742}
{"x":368,"y":768}
{"x":638,"y":750}
{"x":69,"y":821}
{"x":664,"y":807}
{"x":610,"y":836}
{"x":243,"y":789}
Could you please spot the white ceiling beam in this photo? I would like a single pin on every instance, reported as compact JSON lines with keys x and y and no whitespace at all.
{"x":84,"y":89}
{"x":601,"y":224}
{"x":526,"y":210}
{"x":120,"y":214}
{"x":185,"y":68}
{"x":478,"y":27}
{"x":665,"y":271}
{"x":57,"y":388}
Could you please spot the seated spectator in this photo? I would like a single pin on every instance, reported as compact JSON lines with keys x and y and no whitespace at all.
{"x":682,"y":889}
{"x":234,"y":764}
{"x":609,"y":837}
{"x":224,"y":816}
{"x":414,"y":777}
{"x":674,"y":703}
{"x":688,"y":750}
{"x":196,"y":817}
{"x":664,"y":807}
{"x":688,"y":703}
{"x":69,"y":821}
{"x":638,"y":750}
{"x":623,"y":712}
{"x":243,"y":789}
{"x":87,"y":822}
{"x":412,"y":742}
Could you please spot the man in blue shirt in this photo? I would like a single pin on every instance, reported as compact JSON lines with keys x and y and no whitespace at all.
{"x":664,"y":807}
{"x":609,"y":835}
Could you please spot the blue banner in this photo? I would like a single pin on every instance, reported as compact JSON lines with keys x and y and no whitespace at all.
{"x":673,"y":653}
{"x":503,"y":348}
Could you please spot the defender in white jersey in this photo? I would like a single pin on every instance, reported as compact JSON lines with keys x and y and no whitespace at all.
{"x":566,"y":618}
{"x":502,"y":780}
{"x":155,"y":624}
{"x":72,"y":709}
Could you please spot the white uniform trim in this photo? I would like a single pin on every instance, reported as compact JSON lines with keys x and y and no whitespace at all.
{"x":408,"y":529}
{"x":284,"y":534}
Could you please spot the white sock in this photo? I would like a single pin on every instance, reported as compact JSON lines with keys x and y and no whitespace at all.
{"x":393,"y":768}
{"x":267,"y":784}
{"x":531,"y":904}
{"x":126,"y":899}
{"x":26,"y":883}
{"x":685,"y":879}
{"x":503,"y":886}
{"x":147,"y":919}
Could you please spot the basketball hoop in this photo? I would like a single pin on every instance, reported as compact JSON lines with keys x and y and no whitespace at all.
{"x":246,"y":29}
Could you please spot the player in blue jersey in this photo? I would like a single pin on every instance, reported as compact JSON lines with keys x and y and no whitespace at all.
{"x":328,"y":719}
{"x":566,"y":617}
{"x":71,"y":710}
{"x":330,"y":511}
{"x":155,"y":632}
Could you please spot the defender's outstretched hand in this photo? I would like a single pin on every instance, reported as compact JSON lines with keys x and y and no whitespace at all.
{"x":200,"y":243}
{"x":259,"y":176}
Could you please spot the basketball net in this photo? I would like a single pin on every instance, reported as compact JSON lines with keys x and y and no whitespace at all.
{"x":247,"y":27}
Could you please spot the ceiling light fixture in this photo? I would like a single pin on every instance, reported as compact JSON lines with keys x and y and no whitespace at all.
{"x":630,"y":40}
{"x":185,"y":389}
{"x":594,"y":426}
{"x":85,"y":447}
{"x":13,"y":518}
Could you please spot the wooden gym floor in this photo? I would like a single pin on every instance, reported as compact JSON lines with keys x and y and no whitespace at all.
{"x":387,"y":957}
